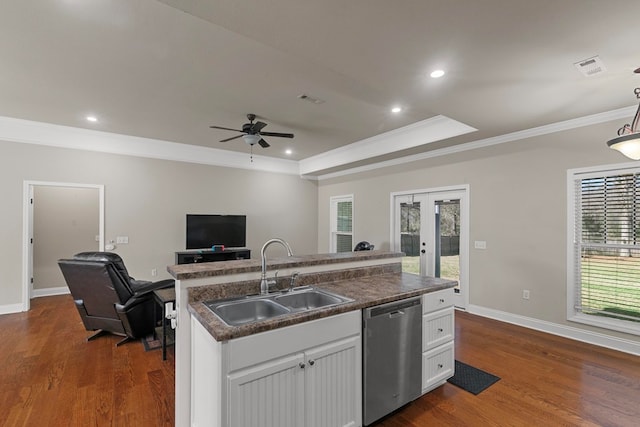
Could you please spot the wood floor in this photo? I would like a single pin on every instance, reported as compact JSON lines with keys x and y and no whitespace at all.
{"x":545,"y":381}
{"x":50,"y":376}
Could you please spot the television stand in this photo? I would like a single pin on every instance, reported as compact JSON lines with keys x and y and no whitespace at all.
{"x":192,"y":257}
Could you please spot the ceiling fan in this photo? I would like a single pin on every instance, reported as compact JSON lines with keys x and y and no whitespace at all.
{"x":252,"y":132}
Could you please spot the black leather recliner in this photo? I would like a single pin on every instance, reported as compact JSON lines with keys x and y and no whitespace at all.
{"x":107,"y":298}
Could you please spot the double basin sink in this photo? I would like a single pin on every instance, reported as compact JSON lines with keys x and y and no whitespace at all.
{"x":249,"y":309}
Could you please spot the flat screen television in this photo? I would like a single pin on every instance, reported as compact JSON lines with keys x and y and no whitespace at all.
{"x":204,"y":231}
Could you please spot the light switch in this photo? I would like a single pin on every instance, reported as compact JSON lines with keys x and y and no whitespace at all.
{"x":480,"y":244}
{"x":122,"y":240}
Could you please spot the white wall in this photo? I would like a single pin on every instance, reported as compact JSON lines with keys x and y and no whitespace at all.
{"x":517,"y":205}
{"x":147,"y":199}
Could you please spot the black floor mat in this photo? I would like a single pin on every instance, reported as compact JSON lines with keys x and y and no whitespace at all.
{"x":471,"y":379}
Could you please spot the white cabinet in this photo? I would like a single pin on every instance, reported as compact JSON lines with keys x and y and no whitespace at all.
{"x":333,"y":385}
{"x":309,"y":374}
{"x":312,"y":388}
{"x":438,"y":333}
{"x":268,"y":395}
{"x":437,"y":366}
{"x":437,"y":328}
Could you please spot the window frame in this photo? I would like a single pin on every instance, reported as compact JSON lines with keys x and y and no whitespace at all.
{"x":573,"y":247}
{"x":333,"y":221}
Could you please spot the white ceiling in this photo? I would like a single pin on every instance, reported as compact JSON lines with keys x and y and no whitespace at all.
{"x":168,"y":69}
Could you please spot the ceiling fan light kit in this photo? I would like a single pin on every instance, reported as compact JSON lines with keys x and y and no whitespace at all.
{"x":628,"y":140}
{"x":251,"y":139}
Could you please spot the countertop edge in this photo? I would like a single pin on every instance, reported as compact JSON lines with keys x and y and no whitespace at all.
{"x":411,"y":285}
{"x":214,"y":269}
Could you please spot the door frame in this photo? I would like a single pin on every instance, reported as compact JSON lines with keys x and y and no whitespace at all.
{"x":464,"y":191}
{"x":27,"y":230}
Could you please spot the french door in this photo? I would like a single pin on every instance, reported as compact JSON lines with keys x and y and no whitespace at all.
{"x":431,"y":228}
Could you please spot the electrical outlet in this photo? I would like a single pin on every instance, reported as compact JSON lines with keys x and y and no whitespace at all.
{"x":154,"y":272}
{"x":525,"y":294}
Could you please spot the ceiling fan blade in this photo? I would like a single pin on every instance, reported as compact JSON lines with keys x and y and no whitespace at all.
{"x":278,"y":134}
{"x":257,"y":126}
{"x":263,"y":143}
{"x":220,"y":127}
{"x":229,"y":139}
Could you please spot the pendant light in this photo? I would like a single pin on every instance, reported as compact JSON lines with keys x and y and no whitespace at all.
{"x":628,"y":140}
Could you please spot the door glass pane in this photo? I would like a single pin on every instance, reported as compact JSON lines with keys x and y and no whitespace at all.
{"x":410,"y":236}
{"x":447,"y":262}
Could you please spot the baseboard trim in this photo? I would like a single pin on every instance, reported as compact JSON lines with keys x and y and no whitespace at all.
{"x":48,"y":292}
{"x":589,"y":337}
{"x":11,"y":308}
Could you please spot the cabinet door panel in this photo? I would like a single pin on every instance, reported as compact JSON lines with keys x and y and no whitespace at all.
{"x":437,"y":328}
{"x":334,"y":384}
{"x":268,"y":395}
{"x":437,"y":300}
{"x":437,"y":366}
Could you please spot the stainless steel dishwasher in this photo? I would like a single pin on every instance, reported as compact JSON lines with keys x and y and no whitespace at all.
{"x":392,"y":357}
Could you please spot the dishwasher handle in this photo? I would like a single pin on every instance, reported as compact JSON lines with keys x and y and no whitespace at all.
{"x":392,"y":309}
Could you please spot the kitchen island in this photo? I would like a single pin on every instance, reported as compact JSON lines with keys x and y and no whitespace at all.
{"x":204,"y":341}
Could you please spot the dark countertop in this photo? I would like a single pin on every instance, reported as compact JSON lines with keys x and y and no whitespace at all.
{"x":366,"y":291}
{"x":211,"y":269}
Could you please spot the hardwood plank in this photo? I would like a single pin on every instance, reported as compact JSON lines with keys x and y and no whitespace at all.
{"x":51,"y":376}
{"x":545,"y":380}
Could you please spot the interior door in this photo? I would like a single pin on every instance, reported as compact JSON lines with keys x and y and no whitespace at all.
{"x":431,"y":228}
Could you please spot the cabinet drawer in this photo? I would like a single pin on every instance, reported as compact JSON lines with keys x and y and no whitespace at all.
{"x":437,"y":328}
{"x":437,"y":300}
{"x":437,"y":366}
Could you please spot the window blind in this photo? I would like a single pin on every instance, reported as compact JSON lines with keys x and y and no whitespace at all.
{"x":607,"y":239}
{"x":344,"y":241}
{"x":342,"y":224}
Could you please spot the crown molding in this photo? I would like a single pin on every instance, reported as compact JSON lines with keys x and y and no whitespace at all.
{"x":423,"y":132}
{"x":31,"y":132}
{"x":593,"y":119}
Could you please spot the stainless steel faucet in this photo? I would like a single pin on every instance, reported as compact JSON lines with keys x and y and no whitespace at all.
{"x":294,"y":276}
{"x":264,"y":283}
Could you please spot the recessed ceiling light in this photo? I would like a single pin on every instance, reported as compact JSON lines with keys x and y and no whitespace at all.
{"x":288,"y":151}
{"x":437,"y":74}
{"x":92,"y":119}
{"x":396,"y":109}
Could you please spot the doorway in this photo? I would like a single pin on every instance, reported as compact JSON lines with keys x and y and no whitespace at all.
{"x":431,"y":228}
{"x":59,"y":219}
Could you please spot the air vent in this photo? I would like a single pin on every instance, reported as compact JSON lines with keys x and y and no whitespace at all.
{"x":591,"y":67}
{"x":310,"y":98}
